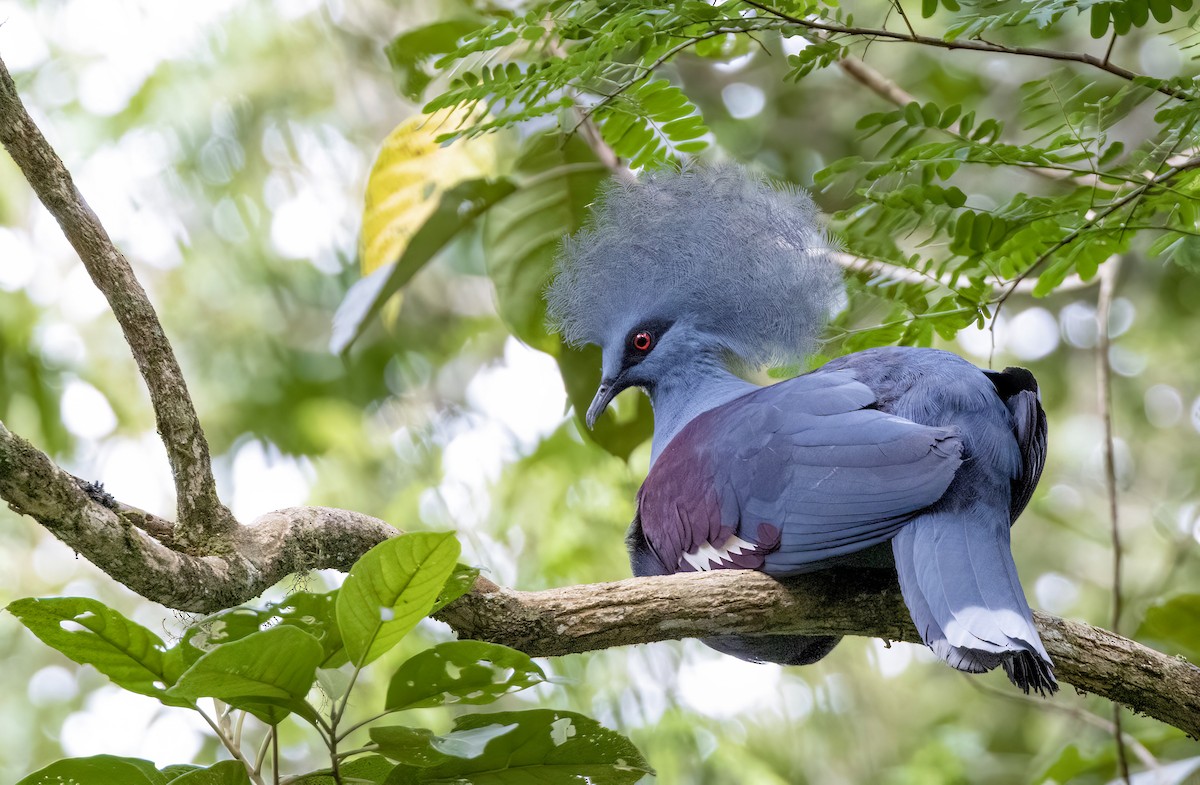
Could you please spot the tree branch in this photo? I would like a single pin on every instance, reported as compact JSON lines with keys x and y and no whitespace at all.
{"x":972,"y":44}
{"x":200,"y":512}
{"x":560,"y":621}
{"x":832,"y":602}
{"x":114,"y":537}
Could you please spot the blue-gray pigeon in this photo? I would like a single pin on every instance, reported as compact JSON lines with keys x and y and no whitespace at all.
{"x":687,"y":280}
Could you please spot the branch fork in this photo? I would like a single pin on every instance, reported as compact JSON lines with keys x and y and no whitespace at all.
{"x":207,"y":561}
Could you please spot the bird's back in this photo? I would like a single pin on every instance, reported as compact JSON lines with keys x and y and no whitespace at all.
{"x":916,"y":446}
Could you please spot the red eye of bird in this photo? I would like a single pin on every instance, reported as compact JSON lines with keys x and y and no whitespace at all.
{"x":643,"y":341}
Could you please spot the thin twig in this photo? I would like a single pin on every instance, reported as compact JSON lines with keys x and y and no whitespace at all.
{"x":900,"y":9}
{"x":199,"y":510}
{"x":900,"y":274}
{"x":1111,"y":43}
{"x":1108,"y":285}
{"x":233,"y":749}
{"x":589,"y":131}
{"x":1175,"y":171}
{"x":972,"y":44}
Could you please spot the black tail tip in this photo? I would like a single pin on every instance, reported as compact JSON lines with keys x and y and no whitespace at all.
{"x":1031,"y":673}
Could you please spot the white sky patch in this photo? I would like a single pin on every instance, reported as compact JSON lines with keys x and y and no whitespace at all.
{"x":1121,"y":316}
{"x":1196,"y":414}
{"x":794,"y":44}
{"x":78,"y":299}
{"x":1164,"y":406}
{"x":86,"y":413}
{"x":891,"y":660}
{"x":977,"y":341}
{"x":53,"y":562}
{"x":17,"y":264}
{"x":136,"y":471}
{"x":1056,"y":593}
{"x":60,"y":344}
{"x":50,"y":685}
{"x":146,"y":729}
{"x":21,"y":38}
{"x":1032,"y":334}
{"x":264,"y":480}
{"x":1127,"y":362}
{"x":743,"y":101}
{"x":302,"y":227}
{"x":524,"y":393}
{"x":1078,"y":323}
{"x":735,"y":64}
{"x":721,"y":687}
{"x":312,"y":215}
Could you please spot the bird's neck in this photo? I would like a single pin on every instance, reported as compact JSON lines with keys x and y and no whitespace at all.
{"x":686,"y":395}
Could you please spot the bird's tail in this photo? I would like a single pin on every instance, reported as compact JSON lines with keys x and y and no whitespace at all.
{"x":961,"y":587}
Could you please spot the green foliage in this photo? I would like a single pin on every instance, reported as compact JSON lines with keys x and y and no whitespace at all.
{"x":269,"y":662}
{"x":113,"y":770}
{"x":521,"y":234}
{"x":90,"y":633}
{"x":514,"y":748}
{"x":921,"y":199}
{"x":461,"y":672}
{"x":455,"y":211}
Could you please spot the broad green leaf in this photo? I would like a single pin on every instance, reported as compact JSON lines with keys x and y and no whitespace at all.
{"x":458,"y":584}
{"x":372,"y":768}
{"x":90,"y":633}
{"x":266,"y":673}
{"x":227,"y":772}
{"x":390,"y":589}
{"x":461,"y":672}
{"x":410,"y":173}
{"x":96,"y":770}
{"x":309,"y":611}
{"x":514,"y":748}
{"x":177,"y":770}
{"x":558,"y":179}
{"x":628,"y":421}
{"x":1173,"y":625}
{"x":409,"y":53}
{"x":457,"y":208}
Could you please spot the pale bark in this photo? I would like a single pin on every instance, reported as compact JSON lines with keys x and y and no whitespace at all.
{"x":159,"y":559}
{"x":200,"y":512}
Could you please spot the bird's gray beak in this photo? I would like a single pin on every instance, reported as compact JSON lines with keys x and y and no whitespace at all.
{"x":604,"y":395}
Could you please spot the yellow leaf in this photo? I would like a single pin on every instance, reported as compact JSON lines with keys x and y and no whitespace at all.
{"x":409,"y":176}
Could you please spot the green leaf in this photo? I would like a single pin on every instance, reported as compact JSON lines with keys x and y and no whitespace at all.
{"x":628,"y":421}
{"x":256,"y":675}
{"x":1173,"y":625}
{"x":177,"y":770}
{"x":90,"y":633}
{"x":461,"y":672}
{"x":372,"y":768}
{"x":390,"y":589}
{"x":458,"y":584}
{"x":559,"y":177}
{"x":1099,"y":20}
{"x":457,"y":208}
{"x":96,"y":770}
{"x":311,"y":612}
{"x":409,"y":53}
{"x":516,"y":748}
{"x":227,"y":772}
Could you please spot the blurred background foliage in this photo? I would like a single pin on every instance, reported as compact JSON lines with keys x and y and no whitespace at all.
{"x":227,"y":147}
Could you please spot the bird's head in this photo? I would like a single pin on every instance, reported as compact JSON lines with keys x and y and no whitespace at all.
{"x":680,"y":269}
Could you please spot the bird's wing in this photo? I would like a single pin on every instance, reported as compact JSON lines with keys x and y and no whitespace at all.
{"x":1019,"y":391}
{"x":791,"y":475}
